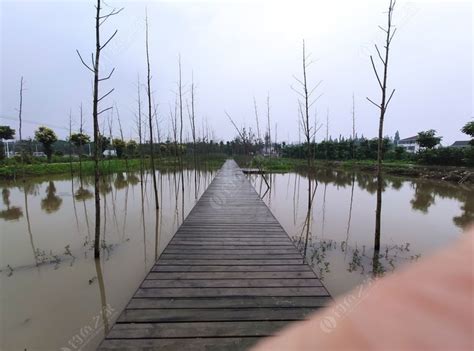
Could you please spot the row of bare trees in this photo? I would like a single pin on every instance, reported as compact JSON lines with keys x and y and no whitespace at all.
{"x":306,"y":101}
{"x":151,"y":112}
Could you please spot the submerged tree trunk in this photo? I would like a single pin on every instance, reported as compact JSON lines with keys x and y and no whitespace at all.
{"x":150,"y":119}
{"x":385,"y":101}
{"x":96,"y":135}
{"x":99,"y":20}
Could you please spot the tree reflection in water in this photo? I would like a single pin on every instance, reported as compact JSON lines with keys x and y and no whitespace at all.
{"x":51,"y":203}
{"x":12,"y":213}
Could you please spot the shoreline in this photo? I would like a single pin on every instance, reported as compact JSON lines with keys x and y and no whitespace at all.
{"x":460,"y":175}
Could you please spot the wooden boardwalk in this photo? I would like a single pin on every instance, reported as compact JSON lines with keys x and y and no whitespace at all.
{"x":229,"y":276}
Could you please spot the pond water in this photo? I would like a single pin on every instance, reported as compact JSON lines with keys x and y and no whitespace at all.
{"x":418,"y":217}
{"x":53,"y":294}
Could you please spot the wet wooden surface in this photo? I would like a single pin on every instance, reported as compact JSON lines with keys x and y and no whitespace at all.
{"x":229,"y":276}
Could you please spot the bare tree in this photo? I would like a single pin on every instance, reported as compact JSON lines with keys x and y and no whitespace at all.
{"x":70,"y":145}
{"x":305,"y":104}
{"x":150,"y":117}
{"x":327,"y":134}
{"x":20,"y":109}
{"x":256,"y":118}
{"x":81,"y":131}
{"x":94,"y":68}
{"x":246,"y":138}
{"x":269,"y":124}
{"x":180,"y":100}
{"x":385,"y":101}
{"x":192,"y":121}
{"x":353,"y":127}
{"x":140,"y":127}
{"x":121,"y":134}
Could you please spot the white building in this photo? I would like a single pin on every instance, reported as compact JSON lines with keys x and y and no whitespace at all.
{"x":410,"y":144}
{"x":109,"y":153}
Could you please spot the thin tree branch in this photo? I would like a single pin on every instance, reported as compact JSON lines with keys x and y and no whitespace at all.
{"x":390,"y":98}
{"x":297,"y":92}
{"x":380,"y":55}
{"x":108,"y":77}
{"x":108,"y":108}
{"x":110,"y":92}
{"x":374,"y":103}
{"x":85,"y":64}
{"x":108,"y":41}
{"x":235,"y":126}
{"x":376,"y":73}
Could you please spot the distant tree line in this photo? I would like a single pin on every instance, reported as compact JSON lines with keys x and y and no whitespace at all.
{"x":340,"y":149}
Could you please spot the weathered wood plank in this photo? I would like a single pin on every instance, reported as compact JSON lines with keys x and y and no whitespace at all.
{"x":223,"y":248}
{"x":186,"y":256}
{"x":195,"y":329}
{"x":229,"y":283}
{"x":230,"y":275}
{"x":223,"y":262}
{"x":230,"y":302}
{"x":208,"y":292}
{"x":232,"y":268}
{"x":213,"y":314}
{"x":198,"y":344}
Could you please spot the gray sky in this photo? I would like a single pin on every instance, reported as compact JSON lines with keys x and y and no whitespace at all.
{"x":238,"y":50}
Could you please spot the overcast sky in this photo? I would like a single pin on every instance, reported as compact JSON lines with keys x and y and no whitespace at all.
{"x":238,"y":50}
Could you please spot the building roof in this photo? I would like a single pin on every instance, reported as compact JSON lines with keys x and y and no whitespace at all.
{"x":413,"y":138}
{"x":461,"y":143}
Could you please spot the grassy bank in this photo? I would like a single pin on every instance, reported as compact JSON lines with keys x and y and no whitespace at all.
{"x":18,"y":170}
{"x":397,"y":168}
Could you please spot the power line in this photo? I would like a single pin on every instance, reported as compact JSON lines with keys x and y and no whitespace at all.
{"x":36,"y":123}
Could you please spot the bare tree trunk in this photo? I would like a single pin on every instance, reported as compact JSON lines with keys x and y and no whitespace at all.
{"x":256,"y":118}
{"x":121,"y":136}
{"x":181,"y":130}
{"x":20,"y":109}
{"x":150,"y":120}
{"x":70,"y":144}
{"x":95,"y":116}
{"x":139,"y":127}
{"x":390,"y":32}
{"x":180,"y":97}
{"x":353,"y":127}
{"x":80,"y":146}
{"x":192,"y":120}
{"x":269,"y":125}
{"x":99,"y":20}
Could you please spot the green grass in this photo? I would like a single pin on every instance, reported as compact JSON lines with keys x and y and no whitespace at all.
{"x":18,"y":170}
{"x":402,"y":168}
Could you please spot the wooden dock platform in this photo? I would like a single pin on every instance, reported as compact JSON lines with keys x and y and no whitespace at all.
{"x":229,"y":276}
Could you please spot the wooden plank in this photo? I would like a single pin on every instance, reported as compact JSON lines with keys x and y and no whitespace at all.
{"x":186,"y":256}
{"x":212,"y":243}
{"x":214,"y":314}
{"x":229,"y":283}
{"x":230,"y":302}
{"x":233,"y":268}
{"x":230,"y":275}
{"x":198,"y":344}
{"x":195,"y":329}
{"x":223,"y":262}
{"x":204,"y":248}
{"x":208,"y":292}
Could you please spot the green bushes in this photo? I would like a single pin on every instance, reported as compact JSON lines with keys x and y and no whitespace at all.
{"x":446,"y":156}
{"x":366,"y":150}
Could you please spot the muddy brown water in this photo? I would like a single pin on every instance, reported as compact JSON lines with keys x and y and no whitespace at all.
{"x":55,"y":296}
{"x":418,"y":217}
